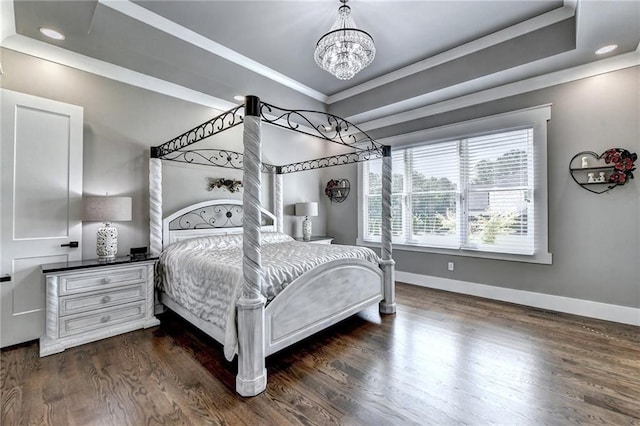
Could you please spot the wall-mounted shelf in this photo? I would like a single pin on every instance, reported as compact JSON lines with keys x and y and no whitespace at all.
{"x":584,"y":169}
{"x":600,"y":173}
{"x":337,"y":190}
{"x":596,"y":183}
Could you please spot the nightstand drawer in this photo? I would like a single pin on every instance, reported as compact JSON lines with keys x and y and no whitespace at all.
{"x":103,"y":318}
{"x":87,"y":302}
{"x":88,"y":281}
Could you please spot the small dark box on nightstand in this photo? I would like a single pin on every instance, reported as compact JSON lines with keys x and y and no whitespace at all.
{"x":138,"y":252}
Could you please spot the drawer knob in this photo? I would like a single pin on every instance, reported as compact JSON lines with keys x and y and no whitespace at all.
{"x":106,"y":299}
{"x":105,"y":318}
{"x":106,"y":280}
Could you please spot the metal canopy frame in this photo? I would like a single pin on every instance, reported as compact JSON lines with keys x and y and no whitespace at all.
{"x":252,"y":374}
{"x":318,"y":124}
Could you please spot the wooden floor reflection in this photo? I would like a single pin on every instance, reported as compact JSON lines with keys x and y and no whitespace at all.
{"x":443,"y":359}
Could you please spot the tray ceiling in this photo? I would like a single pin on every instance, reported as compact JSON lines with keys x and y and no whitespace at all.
{"x":427,"y":51}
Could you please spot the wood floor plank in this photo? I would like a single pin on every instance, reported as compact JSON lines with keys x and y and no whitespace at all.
{"x":444,"y":359}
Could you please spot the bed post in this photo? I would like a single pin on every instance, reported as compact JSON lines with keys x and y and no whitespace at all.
{"x":252,"y":374}
{"x":155,"y":203}
{"x":387,"y":264}
{"x":278,"y":202}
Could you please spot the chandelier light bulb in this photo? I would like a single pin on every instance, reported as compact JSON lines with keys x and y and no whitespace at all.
{"x":345,"y":50}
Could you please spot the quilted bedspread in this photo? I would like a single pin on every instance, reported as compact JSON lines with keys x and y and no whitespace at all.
{"x":204,"y":275}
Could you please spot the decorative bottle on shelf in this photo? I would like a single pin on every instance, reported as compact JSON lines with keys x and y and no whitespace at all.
{"x":591,"y":178}
{"x":585,"y":163}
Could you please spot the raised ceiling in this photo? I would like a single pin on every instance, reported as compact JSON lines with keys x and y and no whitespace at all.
{"x":283,"y":34}
{"x":427,"y":51}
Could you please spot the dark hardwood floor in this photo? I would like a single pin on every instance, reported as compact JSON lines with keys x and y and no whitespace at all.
{"x":443,"y":359}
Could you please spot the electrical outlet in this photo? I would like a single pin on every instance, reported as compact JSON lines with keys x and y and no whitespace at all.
{"x":450,"y":266}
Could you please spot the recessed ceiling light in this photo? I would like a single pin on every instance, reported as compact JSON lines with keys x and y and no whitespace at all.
{"x":606,"y":49}
{"x":52,"y":33}
{"x":239,"y":98}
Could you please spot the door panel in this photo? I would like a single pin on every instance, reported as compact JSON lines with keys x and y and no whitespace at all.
{"x":34,"y":151}
{"x":41,"y":194}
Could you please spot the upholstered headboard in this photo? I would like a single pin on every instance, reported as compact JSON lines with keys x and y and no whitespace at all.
{"x":213,"y":217}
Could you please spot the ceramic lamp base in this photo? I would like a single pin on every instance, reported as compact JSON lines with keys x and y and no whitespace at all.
{"x":306,"y":229}
{"x":107,"y":242}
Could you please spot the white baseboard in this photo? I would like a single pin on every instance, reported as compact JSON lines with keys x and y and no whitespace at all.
{"x":586,"y":308}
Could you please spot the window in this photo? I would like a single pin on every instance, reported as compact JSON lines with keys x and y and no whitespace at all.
{"x":476,"y":194}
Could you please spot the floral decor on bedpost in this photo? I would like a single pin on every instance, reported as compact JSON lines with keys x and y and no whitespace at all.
{"x":231,"y":185}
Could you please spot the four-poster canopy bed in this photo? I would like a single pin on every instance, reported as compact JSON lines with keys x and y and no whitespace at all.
{"x":333,"y":283}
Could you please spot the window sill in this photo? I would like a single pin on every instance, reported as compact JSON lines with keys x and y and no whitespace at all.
{"x":541,"y":258}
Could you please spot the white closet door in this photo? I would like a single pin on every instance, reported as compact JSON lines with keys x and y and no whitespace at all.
{"x":41,"y":195}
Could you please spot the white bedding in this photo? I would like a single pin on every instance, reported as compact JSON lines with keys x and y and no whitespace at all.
{"x":204,"y":275}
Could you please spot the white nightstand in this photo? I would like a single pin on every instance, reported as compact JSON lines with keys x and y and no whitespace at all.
{"x":90,"y":300}
{"x":316,"y":240}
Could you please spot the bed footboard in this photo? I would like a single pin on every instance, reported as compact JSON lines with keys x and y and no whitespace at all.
{"x":319,"y":299}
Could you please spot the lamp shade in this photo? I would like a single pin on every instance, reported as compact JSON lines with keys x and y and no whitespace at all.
{"x":106,"y":209}
{"x":307,"y":209}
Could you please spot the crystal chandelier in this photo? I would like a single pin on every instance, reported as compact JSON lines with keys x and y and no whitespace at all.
{"x":344,"y":50}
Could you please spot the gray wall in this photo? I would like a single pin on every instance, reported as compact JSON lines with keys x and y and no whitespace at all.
{"x":594,"y":239}
{"x":342,"y":218}
{"x":121,"y":122}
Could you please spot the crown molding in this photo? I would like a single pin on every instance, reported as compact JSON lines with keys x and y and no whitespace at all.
{"x":154,"y":20}
{"x":75,"y":60}
{"x":80,"y":62}
{"x":603,"y":66}
{"x":557,"y":15}
{"x":442,"y":132}
{"x":65,"y":57}
{"x":448,"y":99}
{"x":158,"y":22}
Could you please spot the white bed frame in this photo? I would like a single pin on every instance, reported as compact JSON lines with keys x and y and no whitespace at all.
{"x":316,"y":300}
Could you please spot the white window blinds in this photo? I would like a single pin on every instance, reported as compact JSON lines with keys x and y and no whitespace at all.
{"x":435,"y":185}
{"x":470,"y":194}
{"x":499,"y":194}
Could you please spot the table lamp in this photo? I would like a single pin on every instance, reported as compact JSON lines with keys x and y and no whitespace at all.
{"x":306,"y":209}
{"x":106,"y":210}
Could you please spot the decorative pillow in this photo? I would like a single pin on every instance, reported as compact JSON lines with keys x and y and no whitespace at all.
{"x":275,"y":237}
